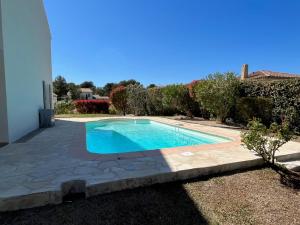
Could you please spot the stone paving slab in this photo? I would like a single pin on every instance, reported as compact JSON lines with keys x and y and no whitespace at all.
{"x":56,"y":162}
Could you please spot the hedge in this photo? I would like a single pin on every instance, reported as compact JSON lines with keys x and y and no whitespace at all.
{"x":285,"y":94}
{"x":248,"y":108}
{"x":92,"y":106}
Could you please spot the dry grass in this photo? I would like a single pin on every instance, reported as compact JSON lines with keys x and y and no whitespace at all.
{"x":253,"y":197}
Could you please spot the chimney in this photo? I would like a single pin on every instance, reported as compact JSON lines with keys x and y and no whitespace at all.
{"x":244,"y":73}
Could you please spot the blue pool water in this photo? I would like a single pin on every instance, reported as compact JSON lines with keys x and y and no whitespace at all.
{"x":126,"y":135}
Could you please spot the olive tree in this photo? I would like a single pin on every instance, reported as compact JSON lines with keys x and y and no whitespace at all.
{"x":218,"y":94}
{"x":177,"y":96}
{"x":267,"y":141}
{"x":136,"y":94}
{"x":154,"y":102}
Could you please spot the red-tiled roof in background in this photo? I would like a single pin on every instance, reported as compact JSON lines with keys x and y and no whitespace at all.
{"x":265,"y":74}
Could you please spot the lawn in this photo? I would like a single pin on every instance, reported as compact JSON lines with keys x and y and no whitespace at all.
{"x":252,"y":197}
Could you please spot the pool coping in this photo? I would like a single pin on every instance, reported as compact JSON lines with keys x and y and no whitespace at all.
{"x":234,"y":139}
{"x":41,"y":171}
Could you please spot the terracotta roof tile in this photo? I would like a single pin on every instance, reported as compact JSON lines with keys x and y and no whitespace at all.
{"x":270,"y":74}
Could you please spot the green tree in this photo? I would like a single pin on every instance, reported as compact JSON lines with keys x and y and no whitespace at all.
{"x":267,"y":141}
{"x":125,"y":83}
{"x":88,"y":84}
{"x":119,"y":99}
{"x":60,"y":86}
{"x":100,"y":91}
{"x":74,"y":91}
{"x":136,"y":99}
{"x":151,"y":86}
{"x":108,"y":88}
{"x":178,"y":96}
{"x":218,"y":94}
{"x":154,"y":102}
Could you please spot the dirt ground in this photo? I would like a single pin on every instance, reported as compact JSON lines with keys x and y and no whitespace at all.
{"x":252,"y":197}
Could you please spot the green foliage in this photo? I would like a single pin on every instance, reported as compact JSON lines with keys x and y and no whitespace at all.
{"x":88,"y":84}
{"x":285,"y":95}
{"x":151,"y":86}
{"x":64,"y":108}
{"x":137,"y":97}
{"x":100,"y":91}
{"x":218,"y":94}
{"x":60,"y":87}
{"x":126,"y":83}
{"x":178,"y":97}
{"x":108,"y":88}
{"x":248,"y":108}
{"x":119,"y":99}
{"x":266,"y":141}
{"x":73,"y":89}
{"x":112,"y":110}
{"x":154,"y":103}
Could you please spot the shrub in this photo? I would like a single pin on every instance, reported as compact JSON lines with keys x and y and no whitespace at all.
{"x":154,"y":103}
{"x":118,"y":98}
{"x":64,"y":108}
{"x":248,"y":108}
{"x":178,"y":98}
{"x":284,"y":94}
{"x":92,"y":106}
{"x":267,"y":141}
{"x":136,"y":99}
{"x":218,"y":94}
{"x":112,"y":110}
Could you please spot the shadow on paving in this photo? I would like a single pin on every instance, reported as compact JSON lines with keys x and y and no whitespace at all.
{"x":165,"y":204}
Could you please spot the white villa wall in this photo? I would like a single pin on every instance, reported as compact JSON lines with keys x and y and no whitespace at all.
{"x":3,"y":112}
{"x":27,"y":59}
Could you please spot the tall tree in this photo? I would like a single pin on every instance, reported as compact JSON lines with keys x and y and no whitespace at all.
{"x":74,"y":91}
{"x":218,"y":94}
{"x":100,"y":91}
{"x":151,"y":86}
{"x":60,"y":86}
{"x":88,"y":84}
{"x":108,"y":88}
{"x":125,"y":83}
{"x":137,"y":97}
{"x":119,"y":99}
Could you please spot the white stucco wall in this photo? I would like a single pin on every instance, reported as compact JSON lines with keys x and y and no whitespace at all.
{"x":3,"y":111}
{"x":27,"y":60}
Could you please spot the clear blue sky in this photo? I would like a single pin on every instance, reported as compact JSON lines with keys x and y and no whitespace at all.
{"x":171,"y":41}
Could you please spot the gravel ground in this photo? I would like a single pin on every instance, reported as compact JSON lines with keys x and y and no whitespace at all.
{"x":253,"y":197}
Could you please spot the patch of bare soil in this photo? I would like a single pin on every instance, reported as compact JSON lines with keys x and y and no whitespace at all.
{"x":253,"y":197}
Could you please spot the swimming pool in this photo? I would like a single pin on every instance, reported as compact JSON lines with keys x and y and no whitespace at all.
{"x":129,"y":135}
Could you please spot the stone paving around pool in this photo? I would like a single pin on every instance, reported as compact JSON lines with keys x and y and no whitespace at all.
{"x":56,"y":162}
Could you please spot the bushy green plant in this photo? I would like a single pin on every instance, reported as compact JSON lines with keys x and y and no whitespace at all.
{"x":137,"y":97}
{"x":285,"y":95}
{"x":154,"y":103}
{"x":248,"y":108}
{"x":112,"y":110}
{"x":178,"y":97}
{"x":64,"y":108}
{"x":267,"y":141}
{"x":218,"y":94}
{"x":119,"y":99}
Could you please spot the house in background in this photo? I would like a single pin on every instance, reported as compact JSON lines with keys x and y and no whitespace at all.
{"x":266,"y":75}
{"x":86,"y":93}
{"x":98,"y":97}
{"x":25,"y":67}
